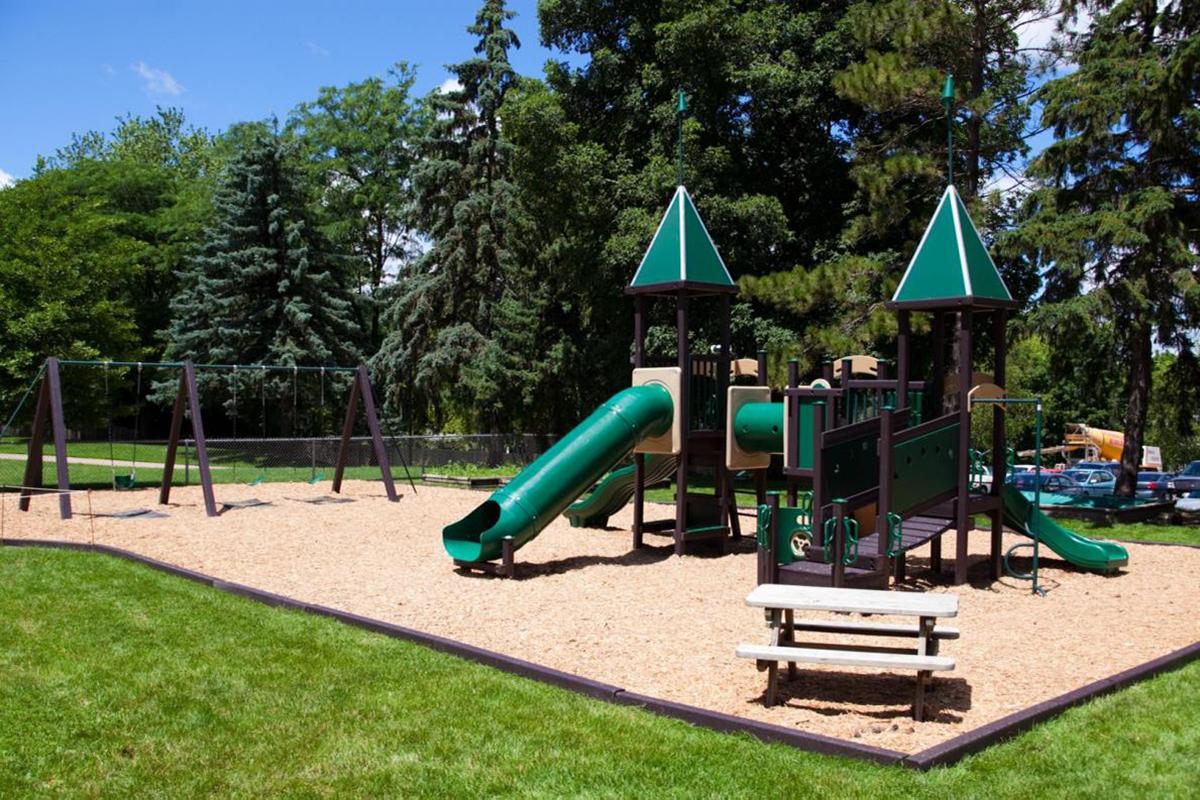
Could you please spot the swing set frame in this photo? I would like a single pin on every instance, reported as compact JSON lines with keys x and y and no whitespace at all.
{"x":49,"y":409}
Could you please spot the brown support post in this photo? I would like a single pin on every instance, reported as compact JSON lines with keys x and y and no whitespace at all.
{"x":767,"y":562}
{"x":33,"y":459}
{"x":843,"y":414}
{"x":639,"y":497}
{"x":639,"y":331}
{"x":681,"y":476}
{"x":962,"y":517}
{"x":507,"y":562}
{"x":164,"y":489}
{"x":381,"y":455}
{"x":347,"y":432}
{"x":839,"y":542}
{"x":731,"y":508}
{"x":793,"y":379}
{"x":760,"y":475}
{"x":999,"y":443}
{"x":189,"y":378}
{"x":818,"y":491}
{"x":639,"y":459}
{"x":884,"y":503}
{"x":939,"y":364}
{"x":58,"y":429}
{"x":904,"y":320}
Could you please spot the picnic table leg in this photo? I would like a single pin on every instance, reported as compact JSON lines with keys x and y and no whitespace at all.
{"x":924,"y":641}
{"x":919,"y":701}
{"x":775,"y":620}
{"x":790,"y":617}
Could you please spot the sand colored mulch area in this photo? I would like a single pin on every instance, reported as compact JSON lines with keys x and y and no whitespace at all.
{"x":648,"y":621}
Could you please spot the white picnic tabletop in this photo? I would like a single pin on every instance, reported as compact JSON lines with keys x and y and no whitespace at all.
{"x":862,"y":601}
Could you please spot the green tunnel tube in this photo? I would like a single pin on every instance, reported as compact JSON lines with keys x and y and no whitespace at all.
{"x":568,"y":469}
{"x":758,"y":427}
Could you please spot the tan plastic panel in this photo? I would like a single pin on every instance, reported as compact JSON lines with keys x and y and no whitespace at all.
{"x":736,"y":457}
{"x":671,"y":379}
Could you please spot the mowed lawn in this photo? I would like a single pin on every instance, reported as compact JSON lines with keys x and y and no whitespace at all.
{"x":117,"y":680}
{"x":229,"y":466}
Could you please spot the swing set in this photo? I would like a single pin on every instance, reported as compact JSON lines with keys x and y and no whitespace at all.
{"x":47,"y":386}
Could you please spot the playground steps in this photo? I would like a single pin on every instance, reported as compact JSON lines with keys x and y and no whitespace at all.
{"x":818,"y":573}
{"x":915,"y":532}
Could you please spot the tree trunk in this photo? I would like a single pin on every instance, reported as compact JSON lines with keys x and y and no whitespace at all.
{"x":1140,"y":371}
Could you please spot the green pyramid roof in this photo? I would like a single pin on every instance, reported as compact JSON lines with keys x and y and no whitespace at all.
{"x":951,"y":266}
{"x":682,"y":255}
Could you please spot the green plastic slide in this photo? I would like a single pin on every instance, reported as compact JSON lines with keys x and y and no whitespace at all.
{"x":1023,"y":517}
{"x":612,"y":493}
{"x":546,"y":487}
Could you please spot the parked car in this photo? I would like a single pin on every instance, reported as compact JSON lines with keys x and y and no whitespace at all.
{"x":1112,"y":466}
{"x":1153,"y":485}
{"x":1051,"y":483}
{"x":1186,"y":480}
{"x":1189,"y":503}
{"x":1094,"y":482}
{"x":985,"y":480}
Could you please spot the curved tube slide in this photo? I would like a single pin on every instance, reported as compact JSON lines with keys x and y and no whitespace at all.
{"x":1022,"y":517}
{"x":611,"y":495}
{"x":546,"y":487}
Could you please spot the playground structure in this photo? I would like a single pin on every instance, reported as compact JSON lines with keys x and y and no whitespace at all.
{"x":47,"y":388}
{"x":877,"y":463}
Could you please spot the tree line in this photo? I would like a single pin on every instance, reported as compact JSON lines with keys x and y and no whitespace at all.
{"x":471,"y":244}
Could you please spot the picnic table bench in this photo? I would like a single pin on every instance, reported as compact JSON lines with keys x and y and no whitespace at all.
{"x":780,"y":603}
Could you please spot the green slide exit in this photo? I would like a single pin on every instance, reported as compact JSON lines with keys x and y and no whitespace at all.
{"x":546,"y":487}
{"x":1022,"y":517}
{"x":612,"y":493}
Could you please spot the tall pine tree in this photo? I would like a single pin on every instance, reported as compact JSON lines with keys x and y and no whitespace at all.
{"x":899,"y":153}
{"x":1117,"y":223}
{"x":440,"y":317}
{"x":263,"y":287}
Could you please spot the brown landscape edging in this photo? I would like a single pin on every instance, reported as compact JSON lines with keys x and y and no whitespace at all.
{"x":943,"y":754}
{"x":961,"y":746}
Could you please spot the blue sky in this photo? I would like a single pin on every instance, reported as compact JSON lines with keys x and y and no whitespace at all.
{"x":71,"y":67}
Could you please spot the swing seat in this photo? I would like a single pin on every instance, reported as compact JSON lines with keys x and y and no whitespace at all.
{"x":315,"y":479}
{"x":257,"y":480}
{"x":125,"y":481}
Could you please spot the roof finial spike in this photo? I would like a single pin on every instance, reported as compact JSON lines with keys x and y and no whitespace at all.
{"x":680,"y":108}
{"x":948,"y":102}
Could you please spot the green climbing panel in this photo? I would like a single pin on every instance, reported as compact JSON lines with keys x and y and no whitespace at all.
{"x":924,"y":467}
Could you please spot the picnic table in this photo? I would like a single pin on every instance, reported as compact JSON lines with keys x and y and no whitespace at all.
{"x":780,"y":602}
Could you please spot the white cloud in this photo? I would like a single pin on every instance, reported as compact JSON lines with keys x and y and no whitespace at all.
{"x":157,"y":81}
{"x":6,"y":180}
{"x":316,"y":49}
{"x":450,"y":85}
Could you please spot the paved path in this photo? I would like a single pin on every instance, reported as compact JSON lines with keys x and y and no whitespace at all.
{"x":98,"y":462}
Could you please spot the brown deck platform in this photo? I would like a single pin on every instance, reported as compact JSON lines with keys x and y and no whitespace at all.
{"x":869,"y":570}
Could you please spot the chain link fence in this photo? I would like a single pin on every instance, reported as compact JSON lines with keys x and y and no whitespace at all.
{"x":102,"y":463}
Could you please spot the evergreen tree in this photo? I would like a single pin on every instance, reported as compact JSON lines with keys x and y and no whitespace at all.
{"x":263,"y":287}
{"x":440,"y":317}
{"x":897,"y":125}
{"x":1117,"y":223}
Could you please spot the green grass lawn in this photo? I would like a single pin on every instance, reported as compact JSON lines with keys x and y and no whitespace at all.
{"x":229,"y":467}
{"x":1140,"y":531}
{"x":119,"y":680}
